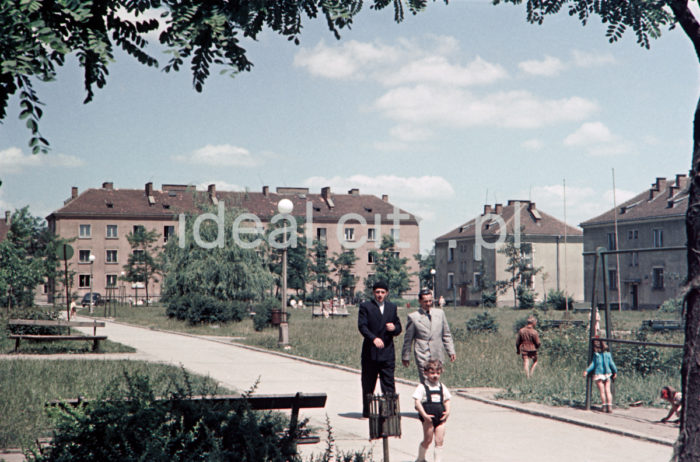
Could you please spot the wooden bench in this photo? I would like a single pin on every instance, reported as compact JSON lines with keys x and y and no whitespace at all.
{"x":556,"y":323}
{"x":59,"y":323}
{"x":581,"y":307}
{"x":256,"y":402}
{"x":662,"y":324}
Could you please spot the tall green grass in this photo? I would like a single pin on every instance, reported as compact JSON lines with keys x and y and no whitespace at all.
{"x":26,"y":385}
{"x":483,"y":359}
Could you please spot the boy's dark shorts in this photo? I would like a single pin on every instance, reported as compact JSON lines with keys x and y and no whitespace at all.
{"x":530,"y":354}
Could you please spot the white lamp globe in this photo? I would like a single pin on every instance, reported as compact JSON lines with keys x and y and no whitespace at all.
{"x":285,"y":206}
{"x":92,"y":258}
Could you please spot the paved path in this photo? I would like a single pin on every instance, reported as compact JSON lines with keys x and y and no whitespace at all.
{"x":477,"y":431}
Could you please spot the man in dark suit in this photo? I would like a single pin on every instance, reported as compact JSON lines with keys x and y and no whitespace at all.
{"x":378,"y":323}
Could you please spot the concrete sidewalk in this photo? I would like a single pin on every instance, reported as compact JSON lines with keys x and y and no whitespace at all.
{"x":480,"y":428}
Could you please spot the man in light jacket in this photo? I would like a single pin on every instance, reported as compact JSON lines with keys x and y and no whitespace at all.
{"x":428,"y":333}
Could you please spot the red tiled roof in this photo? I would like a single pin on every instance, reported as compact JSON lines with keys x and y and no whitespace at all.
{"x":664,"y":199}
{"x":533,"y":222}
{"x":174,"y":200}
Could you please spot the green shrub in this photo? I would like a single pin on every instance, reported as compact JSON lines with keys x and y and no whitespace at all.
{"x":556,"y":300}
{"x":38,"y":314}
{"x":197,"y":309}
{"x":135,"y":427}
{"x":483,"y":322}
{"x":526,"y":298}
{"x":263,"y":313}
{"x":567,"y":346}
{"x":489,"y":298}
{"x":672,"y":305}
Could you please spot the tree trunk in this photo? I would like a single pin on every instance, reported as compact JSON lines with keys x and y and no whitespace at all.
{"x":689,"y":449}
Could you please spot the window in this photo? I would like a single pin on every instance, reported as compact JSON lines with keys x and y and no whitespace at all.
{"x":349,"y":234}
{"x":477,"y":281}
{"x":657,"y":278}
{"x":395,"y":234}
{"x":371,"y":234}
{"x":451,"y":254}
{"x":321,"y":234}
{"x":111,"y":256}
{"x":84,"y":280}
{"x":612,"y":242}
{"x":167,"y":232}
{"x":632,"y":234}
{"x":111,"y":280}
{"x":112,"y":232}
{"x":612,"y":279}
{"x":371,"y":257}
{"x":634,"y":259}
{"x":138,"y":255}
{"x":139,"y":229}
{"x":450,"y":280}
{"x":85,"y":231}
{"x":395,"y":254}
{"x":658,"y":238}
{"x":84,"y":256}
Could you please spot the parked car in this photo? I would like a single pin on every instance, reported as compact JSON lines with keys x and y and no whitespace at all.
{"x":96,"y":299}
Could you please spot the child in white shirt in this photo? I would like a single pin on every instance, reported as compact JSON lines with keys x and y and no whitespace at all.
{"x":432,"y":401}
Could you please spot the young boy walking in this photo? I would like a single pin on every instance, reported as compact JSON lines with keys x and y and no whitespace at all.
{"x":432,"y":401}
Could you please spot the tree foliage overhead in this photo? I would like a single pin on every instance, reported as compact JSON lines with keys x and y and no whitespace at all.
{"x":389,"y":267}
{"x":36,"y":37}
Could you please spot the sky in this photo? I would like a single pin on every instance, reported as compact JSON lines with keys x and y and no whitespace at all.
{"x":463,"y":105}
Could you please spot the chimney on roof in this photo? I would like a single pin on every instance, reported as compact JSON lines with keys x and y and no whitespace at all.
{"x":681,"y":181}
{"x":149,"y":193}
{"x":73,"y":192}
{"x":657,"y":186}
{"x":266,"y":191}
{"x":326,"y":192}
{"x":385,"y":197}
{"x":487,"y":209}
{"x":498,"y":209}
{"x":8,"y":218}
{"x":533,"y":211}
{"x":108,"y":185}
{"x":354,"y":192}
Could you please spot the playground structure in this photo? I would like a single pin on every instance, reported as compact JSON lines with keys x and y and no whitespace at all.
{"x":601,"y":255}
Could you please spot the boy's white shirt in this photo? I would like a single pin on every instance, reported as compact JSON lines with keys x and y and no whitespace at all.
{"x":419,"y":394}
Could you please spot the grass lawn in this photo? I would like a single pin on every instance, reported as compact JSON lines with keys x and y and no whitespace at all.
{"x":484,"y":359}
{"x":25,"y":385}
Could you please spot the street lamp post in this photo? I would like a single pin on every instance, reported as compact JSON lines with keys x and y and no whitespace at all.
{"x":285,"y":207}
{"x":432,"y":273}
{"x":92,"y":262}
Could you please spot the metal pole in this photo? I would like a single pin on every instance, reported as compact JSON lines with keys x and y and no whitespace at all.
{"x":385,"y":444}
{"x":592,"y":327}
{"x":92,"y":262}
{"x":284,"y":327}
{"x":65,"y":266}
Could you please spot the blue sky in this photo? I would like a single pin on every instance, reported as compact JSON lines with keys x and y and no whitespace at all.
{"x":462,"y":105}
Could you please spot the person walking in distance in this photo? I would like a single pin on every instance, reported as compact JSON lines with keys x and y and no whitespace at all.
{"x":432,"y":401}
{"x":604,"y":372}
{"x":428,"y":334}
{"x":526,"y":345}
{"x":379,"y":323}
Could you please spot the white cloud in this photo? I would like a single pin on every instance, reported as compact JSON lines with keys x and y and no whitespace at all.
{"x":547,"y":67}
{"x":220,"y":186}
{"x":597,"y":138}
{"x":438,"y":70}
{"x":222,"y":155}
{"x":13,"y":160}
{"x":589,"y":133}
{"x":350,"y":60}
{"x":416,"y":188}
{"x":585,"y":59}
{"x":459,"y":108}
{"x":532,"y":144}
{"x":409,"y":133}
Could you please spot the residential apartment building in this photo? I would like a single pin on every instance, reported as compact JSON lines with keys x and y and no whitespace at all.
{"x":468,"y":256}
{"x":648,"y":226}
{"x":100,"y":219}
{"x":5,"y":225}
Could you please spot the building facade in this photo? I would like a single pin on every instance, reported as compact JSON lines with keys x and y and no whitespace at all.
{"x":468,"y":256}
{"x":649,"y":230}
{"x":100,"y":219}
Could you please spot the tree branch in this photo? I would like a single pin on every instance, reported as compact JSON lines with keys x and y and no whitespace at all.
{"x":688,"y":22}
